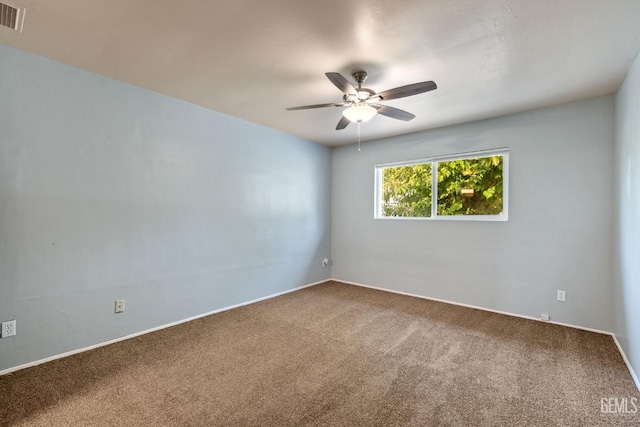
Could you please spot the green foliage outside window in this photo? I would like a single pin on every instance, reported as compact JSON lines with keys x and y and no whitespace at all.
{"x":465,"y":187}
{"x":407,"y":191}
{"x":470,"y":187}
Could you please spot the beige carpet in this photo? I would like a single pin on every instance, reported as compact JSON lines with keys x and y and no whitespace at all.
{"x":334,"y":355}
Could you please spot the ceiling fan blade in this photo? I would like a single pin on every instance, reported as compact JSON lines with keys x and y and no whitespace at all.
{"x":307,"y":107}
{"x":343,"y":123}
{"x":408,"y":90}
{"x":394,"y":113}
{"x":341,"y":83}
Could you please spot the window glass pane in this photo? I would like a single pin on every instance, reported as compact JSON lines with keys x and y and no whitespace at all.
{"x":407,"y":191}
{"x":470,"y":186}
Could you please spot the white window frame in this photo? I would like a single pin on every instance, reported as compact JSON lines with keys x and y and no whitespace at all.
{"x":504,"y":152}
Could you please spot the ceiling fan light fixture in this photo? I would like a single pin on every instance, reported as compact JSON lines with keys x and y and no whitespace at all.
{"x":360,"y":113}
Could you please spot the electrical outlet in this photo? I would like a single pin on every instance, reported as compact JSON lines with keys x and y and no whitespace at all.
{"x":8,"y":328}
{"x":119,"y":306}
{"x":562,"y":296}
{"x":325,"y":262}
{"x":544,"y":317}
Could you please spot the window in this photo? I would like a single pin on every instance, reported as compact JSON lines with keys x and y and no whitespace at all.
{"x":466,"y":186}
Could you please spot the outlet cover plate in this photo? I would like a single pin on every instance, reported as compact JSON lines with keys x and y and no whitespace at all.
{"x":8,"y":329}
{"x":119,"y":306}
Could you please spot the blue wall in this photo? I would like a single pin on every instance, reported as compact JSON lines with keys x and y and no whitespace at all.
{"x":626,"y":301}
{"x":559,"y":233}
{"x":109,"y":191}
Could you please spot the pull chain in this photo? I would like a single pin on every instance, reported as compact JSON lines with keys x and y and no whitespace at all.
{"x":358,"y":137}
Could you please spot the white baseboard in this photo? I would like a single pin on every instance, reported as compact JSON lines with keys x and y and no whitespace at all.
{"x":626,"y":361}
{"x":168,"y":325}
{"x":568,"y":325}
{"x":472,"y":306}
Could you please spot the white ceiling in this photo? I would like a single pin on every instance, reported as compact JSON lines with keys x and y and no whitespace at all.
{"x":252,"y":58}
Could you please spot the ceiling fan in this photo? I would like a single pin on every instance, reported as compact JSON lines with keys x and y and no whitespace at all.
{"x":363,"y":102}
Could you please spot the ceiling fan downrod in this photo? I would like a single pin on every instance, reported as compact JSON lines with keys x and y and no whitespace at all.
{"x":359,"y":77}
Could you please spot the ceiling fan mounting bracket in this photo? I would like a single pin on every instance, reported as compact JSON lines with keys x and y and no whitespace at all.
{"x":360,"y":77}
